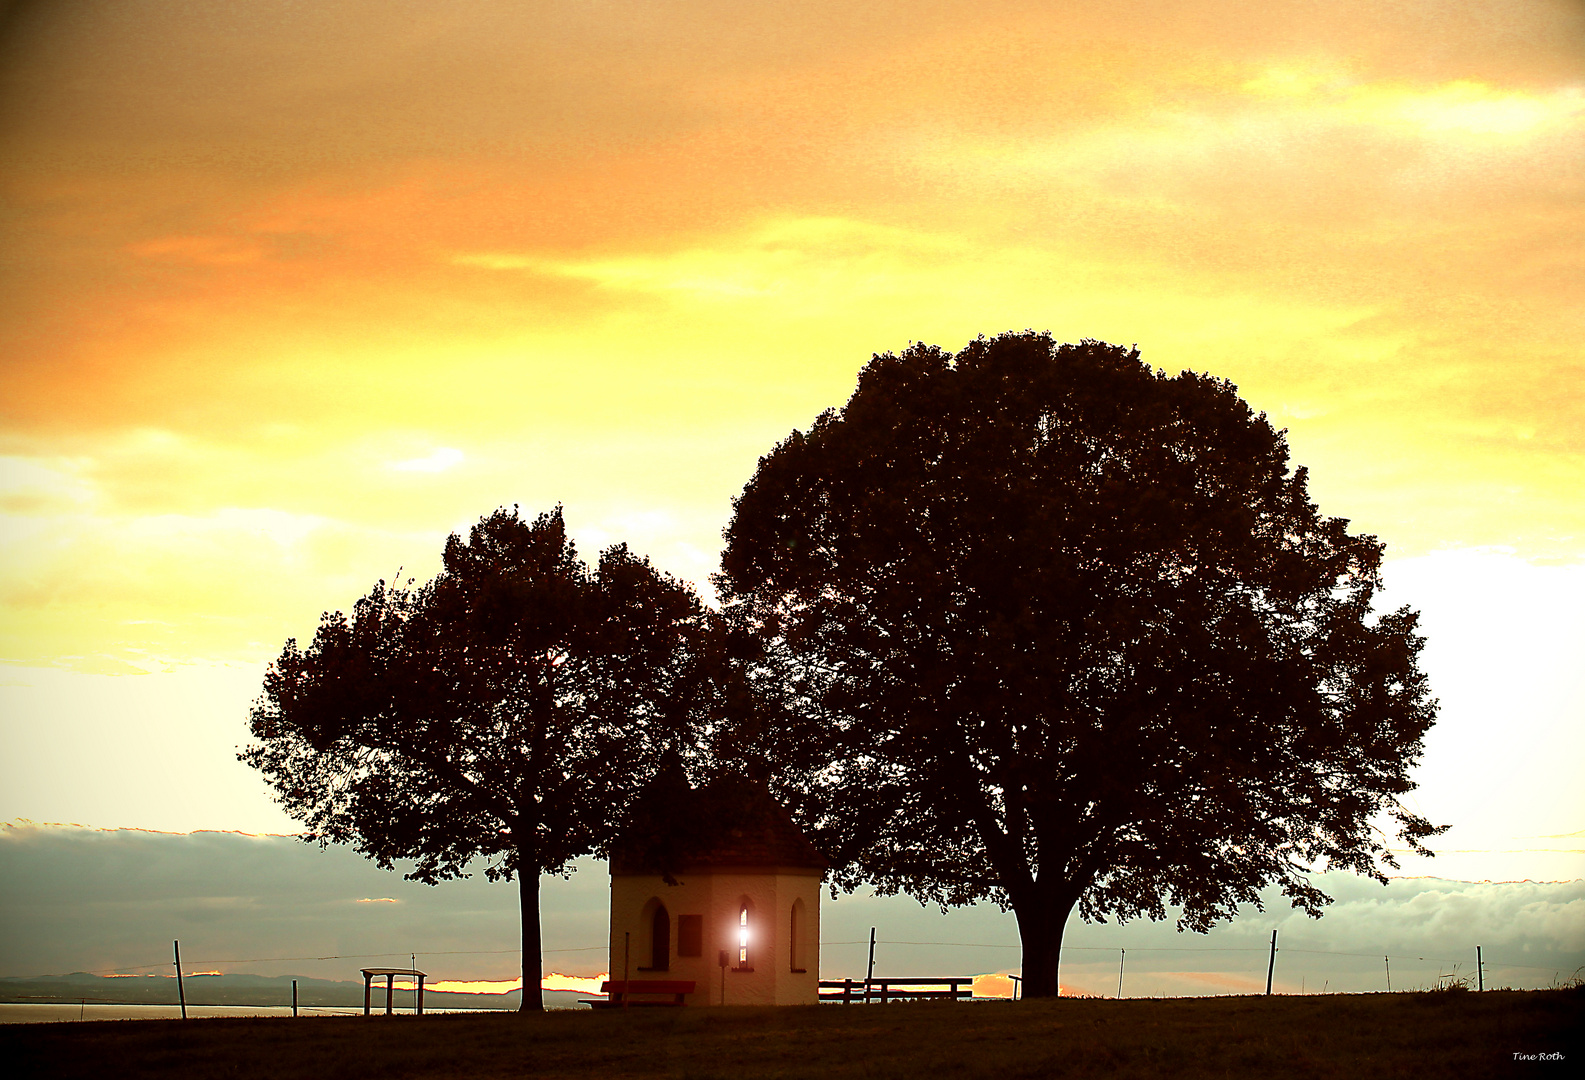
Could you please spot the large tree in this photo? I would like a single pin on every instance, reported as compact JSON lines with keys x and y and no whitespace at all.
{"x":505,"y":711}
{"x":1046,"y":626}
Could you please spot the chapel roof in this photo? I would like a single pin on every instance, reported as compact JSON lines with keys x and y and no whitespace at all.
{"x":730,"y":821}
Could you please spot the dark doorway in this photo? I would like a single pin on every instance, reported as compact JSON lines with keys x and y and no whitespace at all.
{"x":660,"y":937}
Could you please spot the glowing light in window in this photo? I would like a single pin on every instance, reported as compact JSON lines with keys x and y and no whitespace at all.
{"x":742,"y":937}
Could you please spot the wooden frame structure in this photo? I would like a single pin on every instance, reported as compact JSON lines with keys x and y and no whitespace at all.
{"x":390,"y":980}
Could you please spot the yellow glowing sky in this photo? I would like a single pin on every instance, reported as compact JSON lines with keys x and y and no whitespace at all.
{"x":290,"y":291}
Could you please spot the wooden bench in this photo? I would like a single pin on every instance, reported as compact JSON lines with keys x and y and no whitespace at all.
{"x":641,"y":992}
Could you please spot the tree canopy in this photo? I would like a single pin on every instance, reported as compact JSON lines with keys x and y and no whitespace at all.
{"x":505,"y":711}
{"x":1046,"y":626}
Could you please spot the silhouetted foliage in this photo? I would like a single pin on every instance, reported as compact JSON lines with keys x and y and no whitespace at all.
{"x":504,"y":711}
{"x":1045,"y":626}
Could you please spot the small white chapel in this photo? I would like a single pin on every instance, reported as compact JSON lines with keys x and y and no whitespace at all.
{"x":722,"y":908}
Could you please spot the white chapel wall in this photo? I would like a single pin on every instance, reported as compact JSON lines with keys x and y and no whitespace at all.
{"x":717,"y":896}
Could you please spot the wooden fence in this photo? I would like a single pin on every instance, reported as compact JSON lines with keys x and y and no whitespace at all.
{"x":861,"y":991}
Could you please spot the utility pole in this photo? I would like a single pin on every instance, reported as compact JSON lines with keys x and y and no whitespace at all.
{"x":294,"y":997}
{"x":1271,"y":967}
{"x":1480,"y":970}
{"x":1121,"y":955}
{"x":1388,"y":961}
{"x":181,"y":995}
{"x":869,"y":972}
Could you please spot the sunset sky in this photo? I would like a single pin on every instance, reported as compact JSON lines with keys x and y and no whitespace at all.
{"x":290,"y":291}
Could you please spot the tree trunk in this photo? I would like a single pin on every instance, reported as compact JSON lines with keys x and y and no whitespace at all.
{"x":528,"y":893}
{"x":1042,"y":914}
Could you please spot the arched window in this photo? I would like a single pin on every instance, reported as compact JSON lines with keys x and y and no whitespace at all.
{"x":795,"y":938}
{"x":660,"y":939}
{"x":652,"y":937}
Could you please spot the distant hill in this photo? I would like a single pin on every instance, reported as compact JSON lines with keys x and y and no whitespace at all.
{"x":242,"y":990}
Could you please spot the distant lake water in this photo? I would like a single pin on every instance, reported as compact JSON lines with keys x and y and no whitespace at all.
{"x":31,"y":1013}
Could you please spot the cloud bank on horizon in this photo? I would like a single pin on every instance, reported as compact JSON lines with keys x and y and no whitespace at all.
{"x":110,"y":901}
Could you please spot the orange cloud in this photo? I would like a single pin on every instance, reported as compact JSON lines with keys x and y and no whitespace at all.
{"x":204,"y":250}
{"x":557,"y":981}
{"x":996,"y":985}
{"x":286,"y":316}
{"x":475,"y":986}
{"x":553,"y":981}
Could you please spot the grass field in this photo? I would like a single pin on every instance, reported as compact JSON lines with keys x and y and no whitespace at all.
{"x":1458,"y":1035}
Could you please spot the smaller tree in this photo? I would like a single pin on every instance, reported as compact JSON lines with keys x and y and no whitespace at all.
{"x":505,"y":711}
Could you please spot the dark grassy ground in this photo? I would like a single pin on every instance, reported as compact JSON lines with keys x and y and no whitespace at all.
{"x":1459,"y":1035}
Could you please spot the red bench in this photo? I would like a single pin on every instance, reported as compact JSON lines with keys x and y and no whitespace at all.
{"x":630,"y":992}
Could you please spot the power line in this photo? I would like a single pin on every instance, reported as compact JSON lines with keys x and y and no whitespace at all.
{"x":127,"y":968}
{"x":1194,"y":949}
